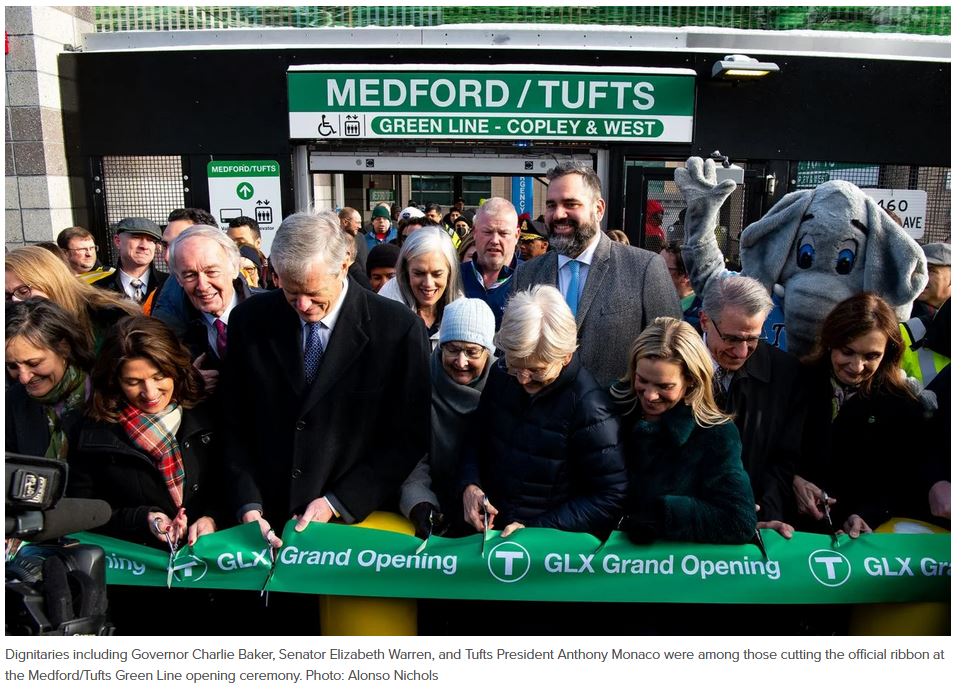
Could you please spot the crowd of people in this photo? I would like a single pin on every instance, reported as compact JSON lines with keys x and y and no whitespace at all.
{"x":552,"y":377}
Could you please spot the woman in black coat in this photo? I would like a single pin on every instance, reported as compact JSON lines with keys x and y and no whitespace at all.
{"x":548,"y":454}
{"x":148,"y":446}
{"x":866,"y":429}
{"x":48,"y":360}
{"x":150,"y":449}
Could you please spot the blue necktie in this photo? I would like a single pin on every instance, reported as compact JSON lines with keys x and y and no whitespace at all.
{"x":313,"y":350}
{"x":574,"y":285}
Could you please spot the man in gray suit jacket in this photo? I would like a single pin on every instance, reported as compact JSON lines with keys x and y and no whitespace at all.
{"x":614,"y":290}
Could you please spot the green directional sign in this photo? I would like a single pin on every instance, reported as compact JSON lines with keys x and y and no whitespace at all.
{"x":249,"y":188}
{"x":501,"y":102}
{"x":244,"y":190}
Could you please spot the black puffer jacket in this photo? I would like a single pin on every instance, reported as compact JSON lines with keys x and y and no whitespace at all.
{"x":552,"y":459}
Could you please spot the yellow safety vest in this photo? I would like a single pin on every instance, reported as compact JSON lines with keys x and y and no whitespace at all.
{"x":95,"y":275}
{"x":919,"y":362}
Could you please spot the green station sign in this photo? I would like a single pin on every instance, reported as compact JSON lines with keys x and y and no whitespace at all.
{"x":462,"y":103}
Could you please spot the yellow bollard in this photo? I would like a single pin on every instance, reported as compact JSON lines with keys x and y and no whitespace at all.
{"x":344,"y":615}
{"x":915,"y":618}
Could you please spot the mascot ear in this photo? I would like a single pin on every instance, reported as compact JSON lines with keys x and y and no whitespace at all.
{"x":767,"y":244}
{"x":894,"y":264}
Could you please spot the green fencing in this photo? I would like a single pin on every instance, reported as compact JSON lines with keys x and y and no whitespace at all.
{"x":933,"y":21}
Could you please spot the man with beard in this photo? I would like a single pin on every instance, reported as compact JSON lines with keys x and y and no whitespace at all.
{"x":614,"y":290}
{"x":490,"y":273}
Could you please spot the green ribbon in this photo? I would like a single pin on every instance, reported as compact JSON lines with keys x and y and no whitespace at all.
{"x":548,"y":565}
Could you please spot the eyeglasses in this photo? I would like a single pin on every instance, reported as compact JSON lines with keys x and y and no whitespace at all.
{"x":534,"y":374}
{"x":472,"y":353}
{"x":749,"y":340}
{"x":92,"y":249}
{"x":21,"y":292}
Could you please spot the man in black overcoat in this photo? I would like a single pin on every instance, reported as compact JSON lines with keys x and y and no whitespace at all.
{"x":326,"y":388}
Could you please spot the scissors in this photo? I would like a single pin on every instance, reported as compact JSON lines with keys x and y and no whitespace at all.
{"x":173,"y":551}
{"x":486,"y":527}
{"x":759,"y":541}
{"x":433,"y":519}
{"x":827,"y":516}
{"x":264,"y":594}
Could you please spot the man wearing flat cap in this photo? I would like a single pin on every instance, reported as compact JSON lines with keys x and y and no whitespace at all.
{"x":938,"y":289}
{"x":135,"y":278}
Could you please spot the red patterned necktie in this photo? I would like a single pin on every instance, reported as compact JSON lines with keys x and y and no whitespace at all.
{"x":221,"y":338}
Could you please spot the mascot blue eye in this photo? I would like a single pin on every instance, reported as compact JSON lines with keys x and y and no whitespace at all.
{"x":805,"y":256}
{"x":845,"y":262}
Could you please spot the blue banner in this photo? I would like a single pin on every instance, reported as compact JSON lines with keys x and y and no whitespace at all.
{"x":522,"y":194}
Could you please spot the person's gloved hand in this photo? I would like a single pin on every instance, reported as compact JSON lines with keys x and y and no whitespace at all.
{"x":640,"y":529}
{"x":928,"y":400}
{"x":420,"y":518}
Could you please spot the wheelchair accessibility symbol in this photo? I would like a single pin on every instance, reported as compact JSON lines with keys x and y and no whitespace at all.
{"x":325,"y":129}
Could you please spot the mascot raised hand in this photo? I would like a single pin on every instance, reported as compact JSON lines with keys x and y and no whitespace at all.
{"x":813,"y":249}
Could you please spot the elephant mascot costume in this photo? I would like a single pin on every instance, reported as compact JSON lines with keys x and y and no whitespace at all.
{"x":813,"y":249}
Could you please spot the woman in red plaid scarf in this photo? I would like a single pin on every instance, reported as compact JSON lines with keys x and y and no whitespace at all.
{"x":147,"y":447}
{"x":150,"y":449}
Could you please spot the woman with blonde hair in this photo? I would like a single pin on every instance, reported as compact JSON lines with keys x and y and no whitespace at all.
{"x":35,"y":272}
{"x":686,"y":481}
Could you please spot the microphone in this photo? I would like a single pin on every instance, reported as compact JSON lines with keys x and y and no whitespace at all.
{"x":72,"y":515}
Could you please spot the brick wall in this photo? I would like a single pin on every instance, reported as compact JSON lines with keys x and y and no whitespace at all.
{"x":41,"y":198}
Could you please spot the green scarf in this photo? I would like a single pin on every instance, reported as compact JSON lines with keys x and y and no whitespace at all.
{"x":841,"y":394}
{"x":69,"y":394}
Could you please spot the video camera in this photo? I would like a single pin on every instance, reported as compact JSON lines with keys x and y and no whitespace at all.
{"x":54,"y":586}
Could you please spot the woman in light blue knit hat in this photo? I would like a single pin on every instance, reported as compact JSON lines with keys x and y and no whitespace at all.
{"x":458,"y":371}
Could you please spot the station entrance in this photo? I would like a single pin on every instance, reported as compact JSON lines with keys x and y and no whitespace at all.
{"x":364,"y":177}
